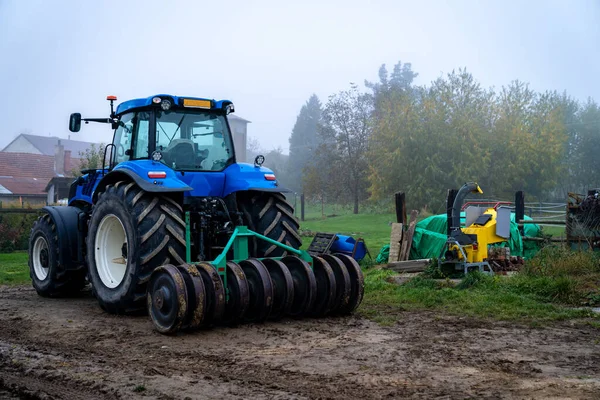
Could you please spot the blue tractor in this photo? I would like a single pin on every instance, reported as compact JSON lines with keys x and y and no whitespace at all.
{"x":172,"y":225}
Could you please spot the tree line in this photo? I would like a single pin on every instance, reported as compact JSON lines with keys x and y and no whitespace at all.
{"x":395,"y":135}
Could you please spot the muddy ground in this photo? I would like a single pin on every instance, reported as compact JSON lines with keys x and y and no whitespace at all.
{"x":71,"y":349}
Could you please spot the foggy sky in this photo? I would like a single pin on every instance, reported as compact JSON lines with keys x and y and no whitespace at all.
{"x":58,"y":57}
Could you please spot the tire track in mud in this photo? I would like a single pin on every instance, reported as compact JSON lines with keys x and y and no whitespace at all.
{"x":69,"y":348}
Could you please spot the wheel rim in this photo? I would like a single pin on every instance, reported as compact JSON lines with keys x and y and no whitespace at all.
{"x":41,"y":258}
{"x":326,"y":288}
{"x":167,"y":299}
{"x":110,"y":251}
{"x":305,"y":285}
{"x":239,"y":294}
{"x":260,"y":288}
{"x":196,"y":295}
{"x":357,"y":283}
{"x":215,"y":293}
{"x":342,"y":281}
{"x":283,"y":287}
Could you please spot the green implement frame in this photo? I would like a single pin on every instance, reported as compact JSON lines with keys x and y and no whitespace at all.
{"x":238,"y":242}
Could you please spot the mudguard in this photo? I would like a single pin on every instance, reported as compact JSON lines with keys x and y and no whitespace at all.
{"x":137,"y":171}
{"x":243,"y":176}
{"x":71,"y":226}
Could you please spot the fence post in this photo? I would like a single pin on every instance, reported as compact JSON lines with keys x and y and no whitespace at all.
{"x":520,"y":210}
{"x":400,"y":200}
{"x":302,"y":207}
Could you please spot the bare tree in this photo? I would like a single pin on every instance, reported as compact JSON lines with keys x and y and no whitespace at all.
{"x":345,"y":134}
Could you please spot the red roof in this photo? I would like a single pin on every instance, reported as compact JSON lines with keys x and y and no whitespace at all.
{"x":20,"y":186}
{"x":24,"y":173}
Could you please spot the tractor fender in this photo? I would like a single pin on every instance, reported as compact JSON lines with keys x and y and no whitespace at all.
{"x":71,"y":229}
{"x":243,"y":177}
{"x":137,"y":171}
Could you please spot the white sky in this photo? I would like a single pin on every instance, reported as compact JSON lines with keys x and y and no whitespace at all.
{"x":58,"y":57}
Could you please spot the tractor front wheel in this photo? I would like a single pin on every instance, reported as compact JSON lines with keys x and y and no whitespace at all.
{"x":48,"y":276}
{"x":131,"y":233}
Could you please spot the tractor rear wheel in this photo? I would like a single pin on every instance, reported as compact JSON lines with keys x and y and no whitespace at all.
{"x":48,"y":276}
{"x":271,"y":215}
{"x":131,"y":233}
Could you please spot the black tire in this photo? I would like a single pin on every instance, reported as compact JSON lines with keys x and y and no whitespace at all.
{"x":58,"y":281}
{"x":271,"y":215}
{"x":154,"y":229}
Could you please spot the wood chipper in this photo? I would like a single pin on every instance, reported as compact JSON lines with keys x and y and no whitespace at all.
{"x":469,"y":247}
{"x":173,"y":225}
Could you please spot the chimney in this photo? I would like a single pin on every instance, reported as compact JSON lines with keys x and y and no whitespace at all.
{"x":67,"y":167}
{"x":59,"y":159}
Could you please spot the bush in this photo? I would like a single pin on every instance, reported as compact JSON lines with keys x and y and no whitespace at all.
{"x":14,"y":231}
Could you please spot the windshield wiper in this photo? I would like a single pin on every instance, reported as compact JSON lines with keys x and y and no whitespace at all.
{"x":178,"y":126}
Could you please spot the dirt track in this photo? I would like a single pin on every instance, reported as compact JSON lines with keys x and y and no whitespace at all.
{"x":71,"y":349}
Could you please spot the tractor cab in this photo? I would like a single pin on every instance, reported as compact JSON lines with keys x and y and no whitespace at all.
{"x":185,"y":134}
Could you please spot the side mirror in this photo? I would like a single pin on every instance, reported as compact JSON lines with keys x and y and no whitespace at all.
{"x":75,"y":122}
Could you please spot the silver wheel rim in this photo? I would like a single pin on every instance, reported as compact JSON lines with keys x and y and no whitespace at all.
{"x":40,"y":258}
{"x":111,"y":260}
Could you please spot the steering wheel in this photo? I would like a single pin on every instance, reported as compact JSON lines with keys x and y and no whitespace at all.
{"x":121,"y":150}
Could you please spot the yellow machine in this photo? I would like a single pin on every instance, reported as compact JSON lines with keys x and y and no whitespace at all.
{"x":468,"y":248}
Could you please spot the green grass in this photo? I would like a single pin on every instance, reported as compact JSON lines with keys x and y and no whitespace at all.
{"x":375,"y":229}
{"x":498,"y":298}
{"x":552,"y":286}
{"x":13,"y":268}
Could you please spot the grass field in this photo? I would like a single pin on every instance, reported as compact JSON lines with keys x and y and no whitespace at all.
{"x":553,"y":288}
{"x":13,"y":268}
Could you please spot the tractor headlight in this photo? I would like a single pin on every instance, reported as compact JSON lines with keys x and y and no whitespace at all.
{"x":165,"y":105}
{"x":156,"y":100}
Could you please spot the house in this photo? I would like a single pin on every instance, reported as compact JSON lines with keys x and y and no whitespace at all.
{"x":28,"y":179}
{"x":239,"y":132}
{"x":45,"y":145}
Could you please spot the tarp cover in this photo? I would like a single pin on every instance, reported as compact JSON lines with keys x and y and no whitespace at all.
{"x":430,"y":237}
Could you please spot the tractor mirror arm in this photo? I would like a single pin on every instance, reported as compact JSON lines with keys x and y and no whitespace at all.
{"x":102,"y":120}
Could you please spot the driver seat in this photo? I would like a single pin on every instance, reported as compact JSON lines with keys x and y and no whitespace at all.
{"x":182,"y":153}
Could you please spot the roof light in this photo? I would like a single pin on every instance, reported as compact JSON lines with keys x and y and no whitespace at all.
{"x":111,"y":98}
{"x":259,"y":160}
{"x":165,"y":105}
{"x":157,"y":174}
{"x":270,"y":177}
{"x":197,"y":103}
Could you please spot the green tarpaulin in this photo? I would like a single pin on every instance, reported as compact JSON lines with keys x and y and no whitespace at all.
{"x":430,"y":237}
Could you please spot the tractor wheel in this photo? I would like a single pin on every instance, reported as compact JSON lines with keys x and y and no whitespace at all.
{"x":271,"y":215}
{"x":131,"y":233}
{"x":49,"y":277}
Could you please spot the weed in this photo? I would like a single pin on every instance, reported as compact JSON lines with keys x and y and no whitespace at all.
{"x":139,"y":388}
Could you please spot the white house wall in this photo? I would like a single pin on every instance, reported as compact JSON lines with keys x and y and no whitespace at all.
{"x":21,"y":145}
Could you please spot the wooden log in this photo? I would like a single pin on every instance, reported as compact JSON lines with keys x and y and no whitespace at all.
{"x":408,"y":237}
{"x":395,"y":242}
{"x":537,"y":239}
{"x":541,"y":222}
{"x":409,"y":266}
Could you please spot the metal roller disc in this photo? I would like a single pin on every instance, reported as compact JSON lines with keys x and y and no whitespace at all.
{"x":305,"y":285}
{"x":167,"y":299}
{"x":342,"y":282}
{"x":239,"y":294}
{"x":283,"y":287}
{"x":357,"y":283}
{"x":325,"y":296}
{"x":215,"y":293}
{"x":261,"y":290}
{"x":196,"y":296}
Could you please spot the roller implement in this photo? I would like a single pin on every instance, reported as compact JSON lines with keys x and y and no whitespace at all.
{"x":173,"y":226}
